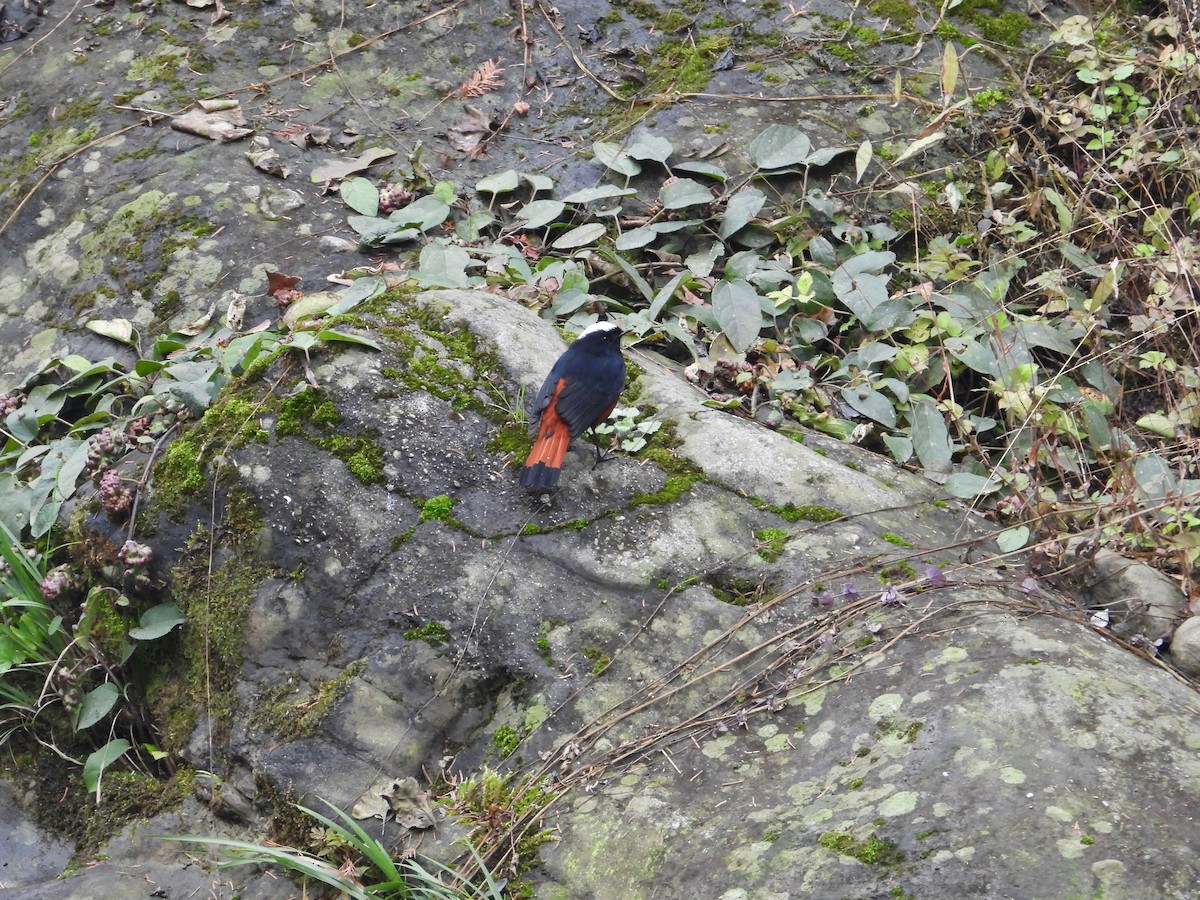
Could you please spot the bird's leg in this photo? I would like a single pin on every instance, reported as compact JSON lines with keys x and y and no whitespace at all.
{"x":601,"y":456}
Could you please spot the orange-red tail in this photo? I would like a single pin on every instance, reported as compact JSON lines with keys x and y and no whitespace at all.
{"x":544,"y":463}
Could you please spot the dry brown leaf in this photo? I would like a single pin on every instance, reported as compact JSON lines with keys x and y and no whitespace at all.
{"x":485,"y":78}
{"x":469,"y":135}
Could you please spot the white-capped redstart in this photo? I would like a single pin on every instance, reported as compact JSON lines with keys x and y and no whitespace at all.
{"x":581,"y":391}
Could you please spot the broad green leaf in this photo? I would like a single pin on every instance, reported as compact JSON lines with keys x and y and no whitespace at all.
{"x":825,"y":155}
{"x":309,"y":306}
{"x":600,"y":192}
{"x":684,"y":192}
{"x":614,"y":157}
{"x":967,"y":485}
{"x":701,"y":264}
{"x":1155,"y":479}
{"x":650,"y":146}
{"x":1013,"y":539}
{"x":471,"y":228}
{"x":699,"y":167}
{"x":973,"y":354}
{"x":95,"y":705}
{"x":118,"y":329}
{"x":100,"y":760}
{"x":931,"y":440}
{"x":638,"y":237}
{"x":157,"y":621}
{"x":580,"y":237}
{"x":425,"y":213}
{"x":1157,"y":423}
{"x":743,"y":206}
{"x":738,"y":310}
{"x":873,"y":261}
{"x":899,"y":446}
{"x":540,"y":213}
{"x":360,"y":195}
{"x":441,"y":265}
{"x":538,"y":183}
{"x":72,"y":468}
{"x":778,"y":146}
{"x":500,"y":183}
{"x":870,"y":403}
{"x":861,"y":293}
{"x":446,"y":192}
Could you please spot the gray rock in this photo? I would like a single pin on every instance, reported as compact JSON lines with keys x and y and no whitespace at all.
{"x":1185,"y":647}
{"x":1140,"y":599}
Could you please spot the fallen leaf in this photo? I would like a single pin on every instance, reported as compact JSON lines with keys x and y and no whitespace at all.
{"x":215,"y":120}
{"x":282,"y":286}
{"x":470,"y":134}
{"x":336,"y":171}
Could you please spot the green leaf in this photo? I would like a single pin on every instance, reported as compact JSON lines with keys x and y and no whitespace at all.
{"x":614,"y":157}
{"x":330,"y":334}
{"x":98,"y":761}
{"x":825,"y":155}
{"x":95,"y":705}
{"x":444,"y":191}
{"x":471,"y":228}
{"x":635,"y":277}
{"x":441,"y":265}
{"x":931,"y":440}
{"x":425,"y":213}
{"x":600,"y":192}
{"x":968,"y":485}
{"x":157,"y":621}
{"x":72,"y":468}
{"x":778,"y":146}
{"x":701,"y":168}
{"x":538,"y":183}
{"x":701,"y":263}
{"x":540,"y":213}
{"x":861,"y":293}
{"x":500,"y":183}
{"x":361,"y":290}
{"x":899,"y":446}
{"x":360,"y":195}
{"x":1066,"y":218}
{"x":1013,"y":539}
{"x":870,"y":403}
{"x":580,"y":237}
{"x":684,"y":192}
{"x":650,"y":146}
{"x":743,"y":206}
{"x":638,"y":237}
{"x":738,"y":310}
{"x":1157,"y":423}
{"x":974,"y":355}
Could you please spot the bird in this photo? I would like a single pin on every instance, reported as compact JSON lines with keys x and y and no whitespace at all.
{"x":580,"y":392}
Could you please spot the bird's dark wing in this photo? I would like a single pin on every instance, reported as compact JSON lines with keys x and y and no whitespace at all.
{"x":580,"y":406}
